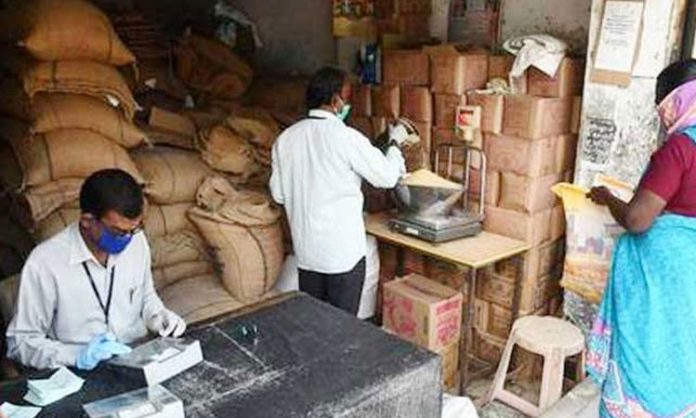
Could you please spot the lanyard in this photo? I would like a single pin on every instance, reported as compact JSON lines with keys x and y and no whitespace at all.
{"x":105,"y":308}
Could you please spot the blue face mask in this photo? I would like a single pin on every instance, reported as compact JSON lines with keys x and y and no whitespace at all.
{"x":111,"y":242}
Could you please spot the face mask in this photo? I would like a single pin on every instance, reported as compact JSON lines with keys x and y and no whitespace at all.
{"x":112,"y":243}
{"x":344,"y":111}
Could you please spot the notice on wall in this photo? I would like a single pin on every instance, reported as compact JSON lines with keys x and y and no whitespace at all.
{"x":599,"y":139}
{"x":618,"y":42}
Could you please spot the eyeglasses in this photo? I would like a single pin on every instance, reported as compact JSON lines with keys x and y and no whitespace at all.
{"x":120,"y":232}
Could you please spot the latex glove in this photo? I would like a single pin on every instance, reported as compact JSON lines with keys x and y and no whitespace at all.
{"x":397,"y":134}
{"x":167,"y":324}
{"x":102,"y":347}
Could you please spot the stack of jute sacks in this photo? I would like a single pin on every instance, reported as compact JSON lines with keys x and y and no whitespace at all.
{"x":529,"y":135}
{"x":74,"y":115}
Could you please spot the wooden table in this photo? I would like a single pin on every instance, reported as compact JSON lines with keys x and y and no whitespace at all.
{"x":309,"y":359}
{"x":473,"y":253}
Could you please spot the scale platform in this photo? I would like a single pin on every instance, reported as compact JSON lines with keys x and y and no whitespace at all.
{"x":438,"y":228}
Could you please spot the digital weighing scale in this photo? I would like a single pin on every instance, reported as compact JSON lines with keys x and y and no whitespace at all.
{"x":430,"y":214}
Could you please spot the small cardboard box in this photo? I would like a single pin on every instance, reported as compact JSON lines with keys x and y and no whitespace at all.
{"x":537,"y":262}
{"x":499,"y":66}
{"x":386,"y":101}
{"x":416,"y":104}
{"x":364,"y":125}
{"x":496,"y":320}
{"x":534,"y":229}
{"x":456,"y":72}
{"x":423,"y":311}
{"x":528,"y":194}
{"x":488,"y":347}
{"x":445,"y":106}
{"x":567,"y":82}
{"x":536,"y":117}
{"x":492,"y":110}
{"x":362,"y":100}
{"x":448,"y":274}
{"x":450,"y":364}
{"x":536,"y":292}
{"x":521,"y":156}
{"x":405,"y":67}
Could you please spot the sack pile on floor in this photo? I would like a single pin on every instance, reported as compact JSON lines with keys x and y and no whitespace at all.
{"x":69,"y":111}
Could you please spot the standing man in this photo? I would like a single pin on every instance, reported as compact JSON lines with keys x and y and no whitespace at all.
{"x":318,"y":167}
{"x":88,"y":290}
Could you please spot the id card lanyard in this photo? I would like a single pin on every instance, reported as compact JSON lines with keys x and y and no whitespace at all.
{"x":105,"y":307}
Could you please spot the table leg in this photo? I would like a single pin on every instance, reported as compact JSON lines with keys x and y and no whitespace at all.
{"x":517,"y":295}
{"x":400,"y":261}
{"x":466,"y":332}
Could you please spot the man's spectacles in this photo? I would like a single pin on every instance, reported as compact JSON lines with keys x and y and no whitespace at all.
{"x":122,"y":233}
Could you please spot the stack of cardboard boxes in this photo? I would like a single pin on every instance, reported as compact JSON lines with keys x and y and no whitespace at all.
{"x":530,"y":140}
{"x":428,"y":314}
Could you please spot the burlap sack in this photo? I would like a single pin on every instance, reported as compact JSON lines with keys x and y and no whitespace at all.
{"x":199,"y":298}
{"x":224,"y":150}
{"x":245,"y":234}
{"x":256,"y":125}
{"x":81,"y":77}
{"x":36,"y":203}
{"x":210,"y":66}
{"x":69,"y":153}
{"x":65,"y":30}
{"x":161,"y":220}
{"x":171,"y":175}
{"x":11,"y":175}
{"x":9,"y":288}
{"x":181,"y":247}
{"x":168,"y":275}
{"x":56,"y":111}
{"x":54,"y":223}
{"x":286,"y":93}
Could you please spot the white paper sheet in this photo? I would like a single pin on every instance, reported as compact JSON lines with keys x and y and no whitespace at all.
{"x":619,"y":36}
{"x":16,"y":411}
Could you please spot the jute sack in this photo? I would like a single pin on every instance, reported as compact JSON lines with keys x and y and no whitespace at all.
{"x":171,"y":175}
{"x":38,"y":202}
{"x":65,"y":30}
{"x":54,"y":223}
{"x":9,"y":288}
{"x":258,"y":127}
{"x":161,"y":220}
{"x":69,"y":153}
{"x":287,"y":93}
{"x":81,"y":77}
{"x":223,"y":149}
{"x":245,"y":234}
{"x":210,"y":66}
{"x":181,"y":247}
{"x":198,"y":298}
{"x":168,"y":275}
{"x":56,"y":111}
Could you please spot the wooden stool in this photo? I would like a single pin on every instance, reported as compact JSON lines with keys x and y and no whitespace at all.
{"x":555,"y":340}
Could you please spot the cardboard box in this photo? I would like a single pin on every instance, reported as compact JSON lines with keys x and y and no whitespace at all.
{"x":492,"y":110}
{"x":533,"y":229}
{"x":456,"y":72}
{"x":537,"y":262}
{"x":450,"y":364}
{"x":423,"y":311}
{"x":520,"y":156}
{"x":567,"y":82}
{"x":447,"y":274}
{"x":379,"y":125}
{"x":528,"y":194}
{"x":417,"y":7}
{"x":386,"y":101}
{"x":492,"y":188}
{"x":566,"y":152}
{"x":488,"y":348}
{"x":493,"y":319}
{"x":576,"y":115}
{"x":405,"y":67}
{"x":499,"y":66}
{"x":445,"y":109}
{"x":362,"y":100}
{"x":417,"y":104}
{"x":536,"y":293}
{"x":536,"y":117}
{"x":558,"y":223}
{"x":363,"y":124}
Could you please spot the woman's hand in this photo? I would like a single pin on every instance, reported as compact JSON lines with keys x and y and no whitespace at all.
{"x":600,"y":195}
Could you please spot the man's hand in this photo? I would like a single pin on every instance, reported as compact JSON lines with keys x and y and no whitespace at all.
{"x":102,"y":347}
{"x":600,"y":195}
{"x":167,"y":324}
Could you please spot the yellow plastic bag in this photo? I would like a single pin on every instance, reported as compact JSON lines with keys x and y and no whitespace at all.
{"x":591,"y":235}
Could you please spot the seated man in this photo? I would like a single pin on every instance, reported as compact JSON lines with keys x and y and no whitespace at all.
{"x":88,"y":290}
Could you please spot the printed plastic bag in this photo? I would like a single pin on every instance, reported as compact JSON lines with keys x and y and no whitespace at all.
{"x":591,"y":235}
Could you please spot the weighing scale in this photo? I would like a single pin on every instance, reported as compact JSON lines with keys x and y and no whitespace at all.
{"x":430,"y":214}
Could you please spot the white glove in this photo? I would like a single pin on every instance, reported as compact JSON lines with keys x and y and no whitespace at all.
{"x":397,"y":134}
{"x":167,"y":324}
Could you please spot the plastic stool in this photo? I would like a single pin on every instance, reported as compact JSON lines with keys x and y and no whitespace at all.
{"x":555,"y":340}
